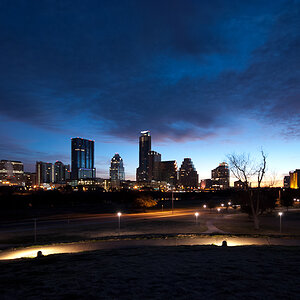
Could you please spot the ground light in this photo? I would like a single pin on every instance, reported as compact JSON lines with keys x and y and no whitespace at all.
{"x":280,"y":215}
{"x":31,"y":252}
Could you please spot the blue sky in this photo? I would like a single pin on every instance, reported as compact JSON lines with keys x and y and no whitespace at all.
{"x":207,"y":78}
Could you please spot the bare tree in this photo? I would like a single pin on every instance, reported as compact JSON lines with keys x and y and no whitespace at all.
{"x":273,"y":179}
{"x":244,"y":168}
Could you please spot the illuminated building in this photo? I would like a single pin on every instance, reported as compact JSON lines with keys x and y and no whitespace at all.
{"x":82,"y":156}
{"x":295,"y":179}
{"x":61,"y":172}
{"x":44,"y":172}
{"x":220,"y":177}
{"x":12,"y":172}
{"x":154,"y":159}
{"x":206,"y":184}
{"x":30,"y":179}
{"x":116,"y":170}
{"x":188,"y":176}
{"x":286,"y":181}
{"x":142,"y":172}
{"x":168,"y":172}
{"x":239,"y":185}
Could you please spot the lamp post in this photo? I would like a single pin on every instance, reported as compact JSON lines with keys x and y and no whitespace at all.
{"x":119,"y":216}
{"x":196,"y":215}
{"x":280,"y":214}
{"x":162,"y":207}
{"x":172,"y":202}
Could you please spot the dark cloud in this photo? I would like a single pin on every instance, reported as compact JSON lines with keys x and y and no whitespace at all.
{"x":184,"y":70}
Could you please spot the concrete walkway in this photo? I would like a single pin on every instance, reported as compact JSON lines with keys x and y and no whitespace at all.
{"x":211,"y":228}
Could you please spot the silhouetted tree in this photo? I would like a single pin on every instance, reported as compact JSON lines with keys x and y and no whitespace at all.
{"x":287,"y":198}
{"x":244,"y":168}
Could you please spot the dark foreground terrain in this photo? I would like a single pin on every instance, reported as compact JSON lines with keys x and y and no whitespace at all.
{"x":184,"y":272}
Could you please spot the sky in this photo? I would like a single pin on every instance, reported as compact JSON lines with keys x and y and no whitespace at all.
{"x":207,"y":78}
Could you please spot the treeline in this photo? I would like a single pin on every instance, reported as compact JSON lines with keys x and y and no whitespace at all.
{"x":12,"y":198}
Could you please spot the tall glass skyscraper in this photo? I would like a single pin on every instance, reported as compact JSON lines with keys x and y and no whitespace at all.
{"x":82,"y":152}
{"x":142,"y":172}
{"x":116,"y":170}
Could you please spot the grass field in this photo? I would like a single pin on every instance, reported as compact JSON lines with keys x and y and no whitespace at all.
{"x":180,"y":272}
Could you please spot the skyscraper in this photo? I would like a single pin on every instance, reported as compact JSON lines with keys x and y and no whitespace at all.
{"x":168,"y":171}
{"x":142,"y":172}
{"x":116,"y":170}
{"x":61,"y":172}
{"x":188,"y":176}
{"x":44,"y":172}
{"x":82,"y":152}
{"x":220,"y":177}
{"x":154,"y":160}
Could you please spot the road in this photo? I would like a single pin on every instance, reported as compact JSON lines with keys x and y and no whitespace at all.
{"x":75,"y":220}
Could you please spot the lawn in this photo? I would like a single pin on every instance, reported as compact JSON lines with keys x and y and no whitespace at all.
{"x":181,"y":272}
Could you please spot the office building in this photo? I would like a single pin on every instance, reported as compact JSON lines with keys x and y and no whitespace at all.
{"x":30,"y":179}
{"x":295,"y":179}
{"x":44,"y":173}
{"x":82,"y":157}
{"x":12,"y":172}
{"x":61,"y":172}
{"x":116,"y":170}
{"x":220,"y":177}
{"x":188,"y":176}
{"x":286,"y":181}
{"x":168,"y":172}
{"x":142,"y":172}
{"x":154,"y":159}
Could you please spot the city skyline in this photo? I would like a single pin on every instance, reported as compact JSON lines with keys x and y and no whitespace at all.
{"x":207,"y":79}
{"x":86,"y":158}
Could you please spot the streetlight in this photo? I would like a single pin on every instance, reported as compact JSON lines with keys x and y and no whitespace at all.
{"x":229,"y":203}
{"x":218,"y":209}
{"x":196,"y":215}
{"x":172,"y":202}
{"x":204,"y":206}
{"x":280,"y":214}
{"x":162,"y":207}
{"x":222,"y":204}
{"x":119,"y":216}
